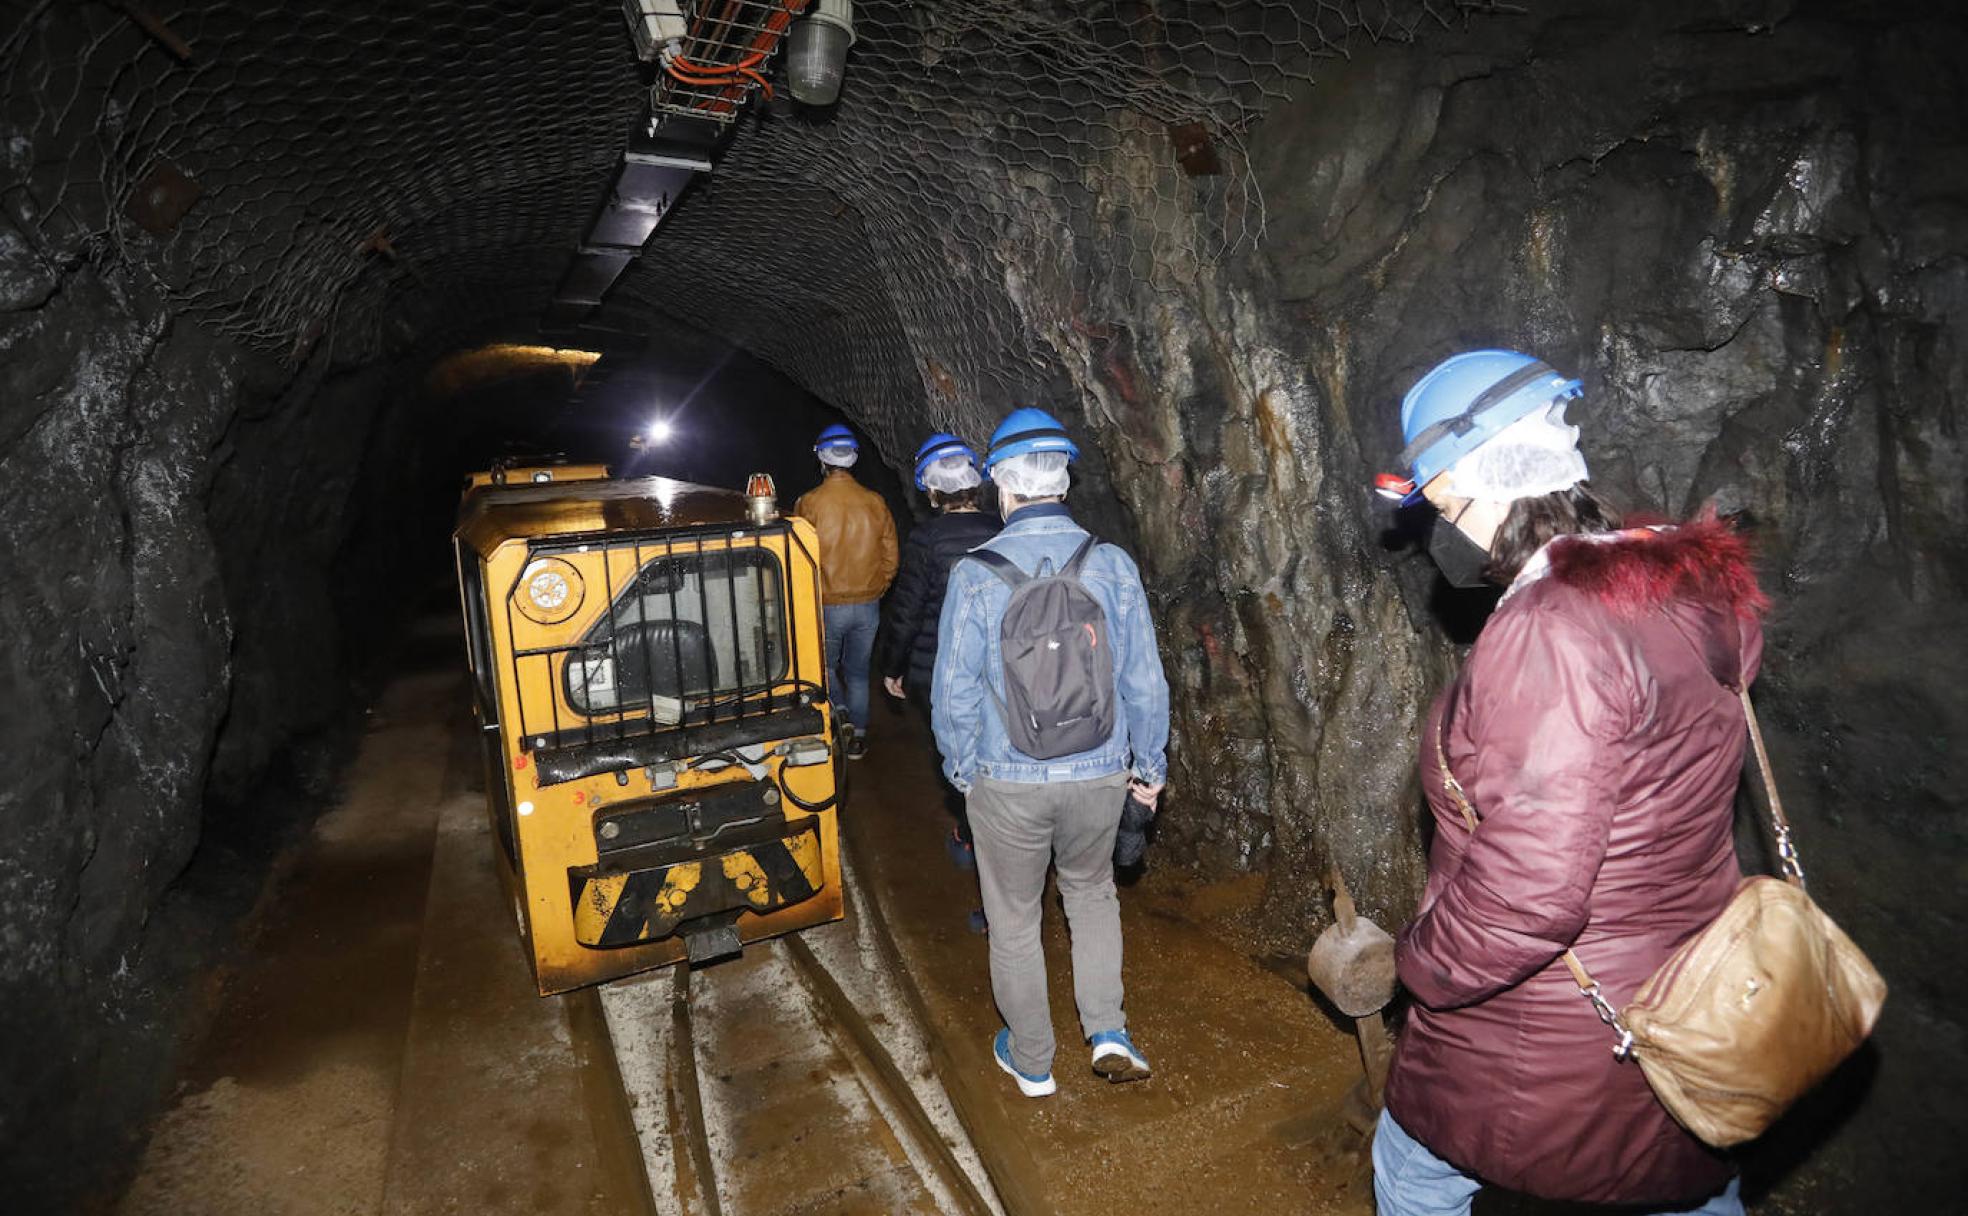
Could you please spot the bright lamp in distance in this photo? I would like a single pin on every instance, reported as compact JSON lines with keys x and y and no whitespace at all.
{"x":658,"y":431}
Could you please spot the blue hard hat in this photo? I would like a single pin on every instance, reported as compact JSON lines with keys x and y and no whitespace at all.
{"x":1029,"y":430}
{"x":837,"y":436}
{"x":938,"y":447}
{"x":1465,"y":400}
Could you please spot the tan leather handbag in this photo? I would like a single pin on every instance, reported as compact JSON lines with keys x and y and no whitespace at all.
{"x":1752,"y":1011}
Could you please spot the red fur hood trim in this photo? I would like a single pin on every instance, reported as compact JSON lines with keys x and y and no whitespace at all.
{"x":1706,"y":559}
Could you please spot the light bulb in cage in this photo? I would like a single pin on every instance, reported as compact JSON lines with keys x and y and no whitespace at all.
{"x":761,"y":499}
{"x":816,"y":52}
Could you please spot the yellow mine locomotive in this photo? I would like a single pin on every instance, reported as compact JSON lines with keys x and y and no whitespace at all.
{"x":646,"y":664}
{"x":518,"y":471}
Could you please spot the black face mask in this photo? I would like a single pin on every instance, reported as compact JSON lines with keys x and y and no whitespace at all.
{"x":1461,"y":560}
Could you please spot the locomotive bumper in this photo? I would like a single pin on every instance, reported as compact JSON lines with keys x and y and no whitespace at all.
{"x":619,"y":902}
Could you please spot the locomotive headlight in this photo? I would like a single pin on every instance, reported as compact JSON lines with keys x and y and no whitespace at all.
{"x":550,"y":591}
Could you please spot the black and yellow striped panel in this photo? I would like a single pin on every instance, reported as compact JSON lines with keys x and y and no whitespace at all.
{"x":622,"y":909}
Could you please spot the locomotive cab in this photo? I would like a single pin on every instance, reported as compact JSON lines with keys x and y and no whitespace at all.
{"x":646,"y":664}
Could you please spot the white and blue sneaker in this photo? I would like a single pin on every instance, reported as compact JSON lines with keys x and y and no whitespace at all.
{"x":1116,"y":1057}
{"x":1032,"y":1085}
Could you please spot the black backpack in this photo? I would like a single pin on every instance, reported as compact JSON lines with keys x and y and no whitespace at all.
{"x":1058,"y":659}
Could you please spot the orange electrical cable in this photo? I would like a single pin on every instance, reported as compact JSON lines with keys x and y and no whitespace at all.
{"x":689,"y":77}
{"x":732,"y":77}
{"x":768,"y":40}
{"x":730,"y":82}
{"x":750,"y":61}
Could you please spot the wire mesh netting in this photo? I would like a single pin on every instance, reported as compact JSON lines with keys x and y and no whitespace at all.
{"x":374,"y":171}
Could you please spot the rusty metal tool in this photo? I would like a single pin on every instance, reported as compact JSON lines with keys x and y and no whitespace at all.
{"x":1352,"y":963}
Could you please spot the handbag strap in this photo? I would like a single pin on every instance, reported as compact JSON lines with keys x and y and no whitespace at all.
{"x":1587,"y":986}
{"x":1788,"y":860}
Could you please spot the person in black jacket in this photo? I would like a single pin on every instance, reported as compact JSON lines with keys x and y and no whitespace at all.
{"x":946,"y":470}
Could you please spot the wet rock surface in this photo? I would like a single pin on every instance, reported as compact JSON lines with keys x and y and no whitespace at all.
{"x":172,"y":511}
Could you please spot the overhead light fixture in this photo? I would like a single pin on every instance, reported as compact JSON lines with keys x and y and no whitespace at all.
{"x":816,"y":52}
{"x":658,"y":432}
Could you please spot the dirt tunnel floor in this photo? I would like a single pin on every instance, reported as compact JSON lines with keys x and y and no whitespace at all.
{"x":1243,"y":1111}
{"x":380,"y":1048}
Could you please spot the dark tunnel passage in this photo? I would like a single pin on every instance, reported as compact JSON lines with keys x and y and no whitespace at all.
{"x":274,"y":279}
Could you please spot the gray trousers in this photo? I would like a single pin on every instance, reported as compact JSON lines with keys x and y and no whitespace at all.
{"x":1019,"y":830}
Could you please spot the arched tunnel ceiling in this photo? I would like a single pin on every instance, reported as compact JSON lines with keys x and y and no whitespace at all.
{"x":370,"y":173}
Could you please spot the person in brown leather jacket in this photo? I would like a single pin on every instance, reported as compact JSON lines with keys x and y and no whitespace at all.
{"x":858,"y":558}
{"x":1596,"y":730}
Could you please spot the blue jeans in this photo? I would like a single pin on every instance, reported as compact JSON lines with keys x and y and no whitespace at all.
{"x":850,"y":650}
{"x":1409,"y":1180}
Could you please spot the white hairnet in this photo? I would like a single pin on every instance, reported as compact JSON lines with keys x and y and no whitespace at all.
{"x":1537,"y":454}
{"x":841,"y":457}
{"x":1033,"y":475}
{"x":951,"y":475}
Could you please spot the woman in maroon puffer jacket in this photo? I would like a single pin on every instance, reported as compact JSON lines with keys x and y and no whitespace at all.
{"x":1596,"y":731}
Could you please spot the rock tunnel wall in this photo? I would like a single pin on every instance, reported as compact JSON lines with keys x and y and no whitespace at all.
{"x":1741,"y":223}
{"x":175,"y":509}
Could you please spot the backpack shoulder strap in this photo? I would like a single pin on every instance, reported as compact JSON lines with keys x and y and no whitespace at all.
{"x":1002,"y":566}
{"x":1079,"y":559}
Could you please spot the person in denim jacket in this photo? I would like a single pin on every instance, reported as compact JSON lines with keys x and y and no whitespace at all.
{"x":1028,"y":814}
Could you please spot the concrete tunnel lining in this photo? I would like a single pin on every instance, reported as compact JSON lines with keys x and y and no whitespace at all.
{"x":1742,"y":226}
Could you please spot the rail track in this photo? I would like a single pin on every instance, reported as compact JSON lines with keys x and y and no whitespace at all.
{"x":796,"y":1078}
